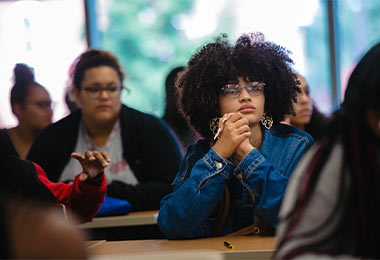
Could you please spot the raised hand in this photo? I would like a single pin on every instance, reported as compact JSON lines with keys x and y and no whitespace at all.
{"x":234,"y":131}
{"x":93,"y":163}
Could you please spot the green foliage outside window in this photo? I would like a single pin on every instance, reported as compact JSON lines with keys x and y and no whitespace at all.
{"x":147,"y":37}
{"x":143,"y":36}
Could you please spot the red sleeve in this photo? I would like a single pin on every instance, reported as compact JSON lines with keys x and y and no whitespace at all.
{"x":87,"y":196}
{"x":82,"y":197}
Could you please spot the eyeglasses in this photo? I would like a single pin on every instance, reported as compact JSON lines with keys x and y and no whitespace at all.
{"x":234,"y":90}
{"x":95,"y":91}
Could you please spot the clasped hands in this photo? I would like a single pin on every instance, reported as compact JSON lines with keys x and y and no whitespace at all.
{"x":233,"y":136}
{"x":93,"y":163}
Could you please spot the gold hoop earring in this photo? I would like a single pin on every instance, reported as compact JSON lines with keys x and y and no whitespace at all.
{"x":267,"y":121}
{"x":214,"y":125}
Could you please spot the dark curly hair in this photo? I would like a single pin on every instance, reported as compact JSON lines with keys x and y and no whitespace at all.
{"x":220,"y":62}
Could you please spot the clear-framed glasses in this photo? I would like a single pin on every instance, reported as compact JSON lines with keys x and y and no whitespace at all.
{"x":95,"y":91}
{"x":255,"y":88}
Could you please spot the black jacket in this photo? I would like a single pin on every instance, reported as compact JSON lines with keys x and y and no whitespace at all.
{"x":6,"y":145}
{"x":148,"y":146}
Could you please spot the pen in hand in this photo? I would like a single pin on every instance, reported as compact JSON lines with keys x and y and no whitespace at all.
{"x":220,"y":128}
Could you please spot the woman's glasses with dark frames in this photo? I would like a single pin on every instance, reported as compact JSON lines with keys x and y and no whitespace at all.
{"x":95,"y":91}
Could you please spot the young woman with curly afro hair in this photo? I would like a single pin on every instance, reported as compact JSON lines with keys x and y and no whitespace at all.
{"x":235,"y":96}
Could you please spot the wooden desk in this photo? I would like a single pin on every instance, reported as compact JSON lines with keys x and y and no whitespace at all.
{"x":132,"y":219}
{"x":245,"y":247}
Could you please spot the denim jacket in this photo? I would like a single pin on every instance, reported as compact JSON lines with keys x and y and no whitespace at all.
{"x":190,"y":210}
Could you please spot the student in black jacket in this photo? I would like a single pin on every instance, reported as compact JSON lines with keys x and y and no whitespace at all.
{"x":144,"y":155}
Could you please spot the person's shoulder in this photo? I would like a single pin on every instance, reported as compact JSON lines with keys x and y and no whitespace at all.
{"x":65,"y":124}
{"x":11,"y":161}
{"x":287,"y":131}
{"x":201,"y":144}
{"x":200,"y":147}
{"x":72,"y":118}
{"x":140,"y":119}
{"x":4,"y":134}
{"x":196,"y":150}
{"x":132,"y":112}
{"x":5,"y":139}
{"x":22,"y":179}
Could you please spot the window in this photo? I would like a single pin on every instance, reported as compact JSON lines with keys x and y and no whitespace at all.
{"x":46,"y":35}
{"x":151,"y":37}
{"x":358,"y":27}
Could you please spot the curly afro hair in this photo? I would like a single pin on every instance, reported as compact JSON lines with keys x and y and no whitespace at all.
{"x":220,"y":62}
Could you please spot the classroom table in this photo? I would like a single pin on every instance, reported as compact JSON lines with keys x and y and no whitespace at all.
{"x":133,"y":226}
{"x":138,"y":218}
{"x":244,"y":247}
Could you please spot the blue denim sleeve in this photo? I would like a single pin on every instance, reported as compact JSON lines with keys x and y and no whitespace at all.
{"x":198,"y":187}
{"x":268,"y":184}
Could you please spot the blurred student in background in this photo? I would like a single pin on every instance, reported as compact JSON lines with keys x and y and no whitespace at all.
{"x":330,"y":210}
{"x":32,"y":106}
{"x":32,"y":226}
{"x":307,"y":116}
{"x":25,"y":180}
{"x":145,"y":155}
{"x":37,"y":231}
{"x":71,"y":103}
{"x":186,"y":135}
